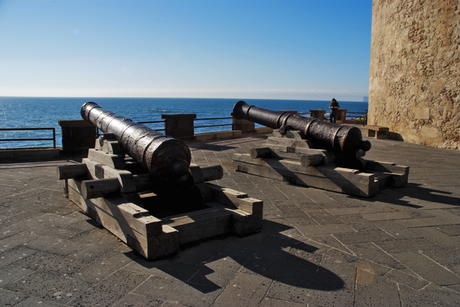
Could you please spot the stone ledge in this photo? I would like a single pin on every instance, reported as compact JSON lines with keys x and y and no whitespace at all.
{"x":26,"y":154}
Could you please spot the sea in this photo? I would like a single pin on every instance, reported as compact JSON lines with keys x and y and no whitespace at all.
{"x":45,"y":112}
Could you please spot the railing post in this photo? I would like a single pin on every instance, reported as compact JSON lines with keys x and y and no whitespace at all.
{"x":317,"y":113}
{"x":341,"y":116}
{"x":77,"y":136}
{"x":179,"y":126}
{"x":54,"y":137}
{"x":242,"y":124}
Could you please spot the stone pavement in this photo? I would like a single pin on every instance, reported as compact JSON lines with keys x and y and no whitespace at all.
{"x":317,"y":248}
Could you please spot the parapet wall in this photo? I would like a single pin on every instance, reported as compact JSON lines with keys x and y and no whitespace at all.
{"x":414,"y":79}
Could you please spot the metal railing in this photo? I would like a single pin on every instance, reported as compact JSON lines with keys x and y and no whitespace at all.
{"x":349,"y":115}
{"x":30,"y":139}
{"x":216,"y":118}
{"x":154,"y":122}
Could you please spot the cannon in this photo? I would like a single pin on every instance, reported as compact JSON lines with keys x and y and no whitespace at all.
{"x":310,"y":152}
{"x":140,"y":185}
{"x":163,"y":156}
{"x":341,"y":139}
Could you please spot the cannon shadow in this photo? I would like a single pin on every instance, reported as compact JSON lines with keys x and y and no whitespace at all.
{"x":414,"y":195}
{"x":268,"y":253}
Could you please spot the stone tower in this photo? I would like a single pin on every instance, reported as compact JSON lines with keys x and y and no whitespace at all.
{"x":414,"y":80}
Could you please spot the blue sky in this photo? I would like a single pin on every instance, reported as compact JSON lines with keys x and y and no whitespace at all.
{"x":284,"y":49}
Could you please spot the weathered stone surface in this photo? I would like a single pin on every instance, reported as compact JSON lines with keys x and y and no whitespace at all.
{"x":414,"y":71}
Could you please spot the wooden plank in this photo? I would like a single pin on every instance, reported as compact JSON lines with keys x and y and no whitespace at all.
{"x":114,"y":161}
{"x":163,"y":243}
{"x":399,"y":174}
{"x":100,"y":171}
{"x":331,"y":184}
{"x":324,"y":171}
{"x":201,"y":224}
{"x":236,"y":199}
{"x":71,"y":171}
{"x":99,"y":187}
{"x":136,"y":217}
{"x":376,"y":128}
{"x":244,"y":223}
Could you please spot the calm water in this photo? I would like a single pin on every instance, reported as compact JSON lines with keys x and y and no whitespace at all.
{"x":33,"y":112}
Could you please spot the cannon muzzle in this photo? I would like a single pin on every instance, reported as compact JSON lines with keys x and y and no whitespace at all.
{"x":341,"y":139}
{"x":163,"y":156}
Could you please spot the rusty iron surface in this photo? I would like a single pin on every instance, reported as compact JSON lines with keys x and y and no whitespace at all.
{"x":338,"y":138}
{"x":163,"y":156}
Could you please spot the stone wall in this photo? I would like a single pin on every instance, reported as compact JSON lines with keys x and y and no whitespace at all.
{"x":414,"y":71}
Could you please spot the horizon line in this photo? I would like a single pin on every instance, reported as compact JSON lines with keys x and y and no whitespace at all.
{"x":165,"y":97}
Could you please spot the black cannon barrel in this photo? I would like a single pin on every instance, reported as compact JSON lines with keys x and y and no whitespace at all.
{"x":163,"y":156}
{"x":339,"y":138}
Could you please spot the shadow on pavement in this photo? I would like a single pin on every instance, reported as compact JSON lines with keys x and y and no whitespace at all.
{"x":405,"y":196}
{"x":269,"y":253}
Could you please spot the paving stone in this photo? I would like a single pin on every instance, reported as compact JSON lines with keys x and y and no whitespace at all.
{"x":429,"y":296}
{"x":403,"y":278}
{"x":135,"y":300}
{"x":12,"y":255}
{"x":424,"y":222}
{"x":54,"y":245}
{"x":332,"y":242}
{"x":324,"y":229}
{"x":359,"y":224}
{"x":283,"y":267}
{"x":269,"y":302}
{"x":34,"y":301}
{"x":51,"y":220}
{"x":371,"y":291}
{"x":16,"y":240}
{"x":218,"y":271}
{"x":11,"y":274}
{"x":323,"y":217}
{"x":11,"y":229}
{"x":427,"y":268}
{"x":184,"y":293}
{"x":290,"y":211}
{"x":48,"y":286}
{"x":402,"y":245}
{"x":451,"y":230}
{"x":366,"y":236}
{"x":448,"y":257}
{"x":386,"y":216}
{"x":109,"y":290}
{"x":10,"y":298}
{"x":358,"y":210}
{"x":396,"y":230}
{"x":437,"y":237}
{"x":369,"y":251}
{"x":164,"y":268}
{"x":244,"y":290}
{"x":446,"y":215}
{"x":311,"y":297}
{"x":101,"y":268}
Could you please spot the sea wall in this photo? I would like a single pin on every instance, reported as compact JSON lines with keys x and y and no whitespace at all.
{"x":414,"y":79}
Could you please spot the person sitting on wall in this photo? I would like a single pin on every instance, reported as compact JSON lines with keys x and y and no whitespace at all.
{"x":334,"y":106}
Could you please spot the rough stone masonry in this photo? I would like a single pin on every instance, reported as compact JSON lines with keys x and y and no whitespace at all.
{"x":414,"y":70}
